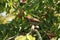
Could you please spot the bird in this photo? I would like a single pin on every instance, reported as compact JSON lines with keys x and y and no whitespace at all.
{"x":32,"y":20}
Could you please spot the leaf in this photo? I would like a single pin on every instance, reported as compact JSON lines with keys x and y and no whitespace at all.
{"x":26,"y":37}
{"x":55,"y":38}
{"x":21,"y":37}
{"x":30,"y":37}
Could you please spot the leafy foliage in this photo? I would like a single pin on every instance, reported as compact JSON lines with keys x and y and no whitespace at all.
{"x":14,"y":21}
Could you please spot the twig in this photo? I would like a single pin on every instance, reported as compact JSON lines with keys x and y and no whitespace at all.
{"x":40,"y":38}
{"x":12,"y":37}
{"x":33,"y":29}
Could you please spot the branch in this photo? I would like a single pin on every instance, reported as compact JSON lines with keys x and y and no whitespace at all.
{"x":40,"y":38}
{"x":12,"y":37}
{"x":33,"y":29}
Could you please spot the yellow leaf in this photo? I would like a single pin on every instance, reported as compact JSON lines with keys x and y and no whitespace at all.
{"x":21,"y":37}
{"x":30,"y":37}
